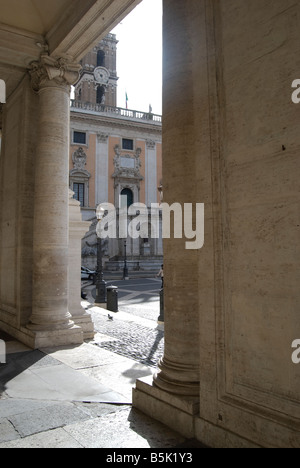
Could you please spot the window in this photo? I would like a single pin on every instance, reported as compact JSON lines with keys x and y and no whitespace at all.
{"x":100,"y":58}
{"x":79,"y":192}
{"x":128,"y":201}
{"x":79,"y":138}
{"x":127,"y":144}
{"x":100,"y":94}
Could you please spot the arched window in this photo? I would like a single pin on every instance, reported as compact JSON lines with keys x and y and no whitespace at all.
{"x":100,"y":94}
{"x":100,"y":58}
{"x":128,"y":201}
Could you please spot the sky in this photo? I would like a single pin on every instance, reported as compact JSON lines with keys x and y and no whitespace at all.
{"x":139,"y":58}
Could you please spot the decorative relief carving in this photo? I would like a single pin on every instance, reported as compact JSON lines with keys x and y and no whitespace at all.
{"x":79,"y":159}
{"x":49,"y":72}
{"x":150,"y":144}
{"x":127,"y":166}
{"x":102,"y":137}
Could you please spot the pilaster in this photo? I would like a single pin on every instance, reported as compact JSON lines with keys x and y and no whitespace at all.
{"x":151,"y":172}
{"x":102,"y":169}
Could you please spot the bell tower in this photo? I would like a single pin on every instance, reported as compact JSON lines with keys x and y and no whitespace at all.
{"x":98,"y":79}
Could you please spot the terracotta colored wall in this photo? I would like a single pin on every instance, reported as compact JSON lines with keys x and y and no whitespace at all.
{"x":90,"y":151}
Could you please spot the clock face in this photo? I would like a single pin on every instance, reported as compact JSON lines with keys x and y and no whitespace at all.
{"x":101,"y":75}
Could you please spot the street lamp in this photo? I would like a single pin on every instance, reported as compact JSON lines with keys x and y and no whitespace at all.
{"x":100,"y":283}
{"x":161,"y":317}
{"x":125,"y":270}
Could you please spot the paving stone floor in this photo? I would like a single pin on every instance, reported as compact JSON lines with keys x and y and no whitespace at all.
{"x":80,"y":396}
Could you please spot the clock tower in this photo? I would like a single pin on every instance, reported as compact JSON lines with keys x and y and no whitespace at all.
{"x":98,"y":80}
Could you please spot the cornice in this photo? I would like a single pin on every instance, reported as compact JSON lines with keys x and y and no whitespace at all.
{"x":84,"y":24}
{"x":107,"y":121}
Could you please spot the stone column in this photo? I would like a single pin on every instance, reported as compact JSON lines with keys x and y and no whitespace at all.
{"x":179,"y":368}
{"x":51,"y":79}
{"x":173,"y":395}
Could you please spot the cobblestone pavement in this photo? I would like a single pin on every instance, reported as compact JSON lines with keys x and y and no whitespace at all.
{"x":142,"y":344}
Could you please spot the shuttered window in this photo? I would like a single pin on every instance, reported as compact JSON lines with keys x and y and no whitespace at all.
{"x":79,"y":193}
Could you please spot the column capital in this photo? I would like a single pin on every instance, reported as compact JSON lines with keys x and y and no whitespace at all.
{"x":102,"y":137}
{"x":49,"y":72}
{"x":150,"y":144}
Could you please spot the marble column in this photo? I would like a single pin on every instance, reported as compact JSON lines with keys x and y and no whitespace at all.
{"x":179,"y":368}
{"x":51,"y":79}
{"x":173,"y":395}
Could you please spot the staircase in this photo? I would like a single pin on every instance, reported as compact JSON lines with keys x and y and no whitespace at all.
{"x":137,"y":268}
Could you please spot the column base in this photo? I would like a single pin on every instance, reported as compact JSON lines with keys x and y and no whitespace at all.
{"x":36,"y":339}
{"x":63,"y":337}
{"x":85,"y":322}
{"x":181,"y":414}
{"x":178,"y":379}
{"x":176,"y":412}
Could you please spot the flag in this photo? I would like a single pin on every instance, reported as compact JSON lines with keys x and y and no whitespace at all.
{"x":126,"y":98}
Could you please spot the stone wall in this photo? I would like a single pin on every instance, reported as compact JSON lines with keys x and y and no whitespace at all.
{"x":16,"y":211}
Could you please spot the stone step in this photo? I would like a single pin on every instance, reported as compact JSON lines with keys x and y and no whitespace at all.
{"x":134,"y":266}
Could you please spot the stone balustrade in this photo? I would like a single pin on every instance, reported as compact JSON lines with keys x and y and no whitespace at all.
{"x":115,"y":111}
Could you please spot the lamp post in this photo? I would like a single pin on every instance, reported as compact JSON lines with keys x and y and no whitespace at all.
{"x":100,"y":283}
{"x":125,"y":270}
{"x":161,"y":317}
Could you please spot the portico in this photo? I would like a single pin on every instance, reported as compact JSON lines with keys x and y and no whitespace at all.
{"x":39,"y":61}
{"x":230,"y":141}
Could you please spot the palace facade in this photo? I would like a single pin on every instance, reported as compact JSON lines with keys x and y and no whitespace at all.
{"x":114,"y":152}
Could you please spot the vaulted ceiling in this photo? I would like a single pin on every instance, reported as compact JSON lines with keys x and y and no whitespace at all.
{"x":67,"y":27}
{"x":36,"y":16}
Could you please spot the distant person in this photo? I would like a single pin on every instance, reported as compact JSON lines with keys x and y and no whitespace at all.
{"x":161,"y":275}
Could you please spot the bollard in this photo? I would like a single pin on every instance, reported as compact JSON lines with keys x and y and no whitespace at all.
{"x":161,"y":318}
{"x":112,"y":299}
